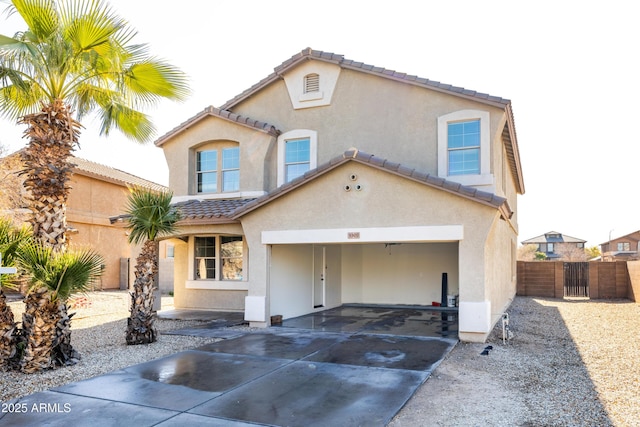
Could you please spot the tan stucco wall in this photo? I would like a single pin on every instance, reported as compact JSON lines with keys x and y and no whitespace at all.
{"x":229,"y":300}
{"x":379,"y":116}
{"x":324,"y":204}
{"x":254,"y":148}
{"x":91,"y":203}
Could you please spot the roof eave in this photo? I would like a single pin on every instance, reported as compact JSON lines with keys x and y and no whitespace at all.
{"x":220,"y":113}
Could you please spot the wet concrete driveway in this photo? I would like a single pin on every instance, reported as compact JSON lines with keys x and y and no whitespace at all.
{"x":352,"y":366}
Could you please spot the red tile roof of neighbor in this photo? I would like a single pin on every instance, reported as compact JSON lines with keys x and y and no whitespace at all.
{"x":108,"y":173}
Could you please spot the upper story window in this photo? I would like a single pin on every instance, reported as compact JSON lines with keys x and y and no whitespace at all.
{"x":550,"y":247}
{"x":297,"y":154}
{"x":230,"y":169}
{"x":311,"y":83}
{"x":207,"y":171}
{"x":218,"y":170}
{"x":297,"y":158}
{"x":464,"y":148}
{"x":623,"y":246}
{"x":463,"y":145}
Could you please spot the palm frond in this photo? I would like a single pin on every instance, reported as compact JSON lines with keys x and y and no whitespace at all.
{"x":62,"y":273}
{"x":12,"y":238}
{"x":40,"y":15}
{"x":150,"y":214}
{"x":73,"y":45}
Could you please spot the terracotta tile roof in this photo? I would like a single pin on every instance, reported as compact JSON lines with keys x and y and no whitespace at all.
{"x":223,"y":114}
{"x":309,"y":53}
{"x":509,"y":133}
{"x":471,"y":193}
{"x":107,"y":173}
{"x":209,"y":210}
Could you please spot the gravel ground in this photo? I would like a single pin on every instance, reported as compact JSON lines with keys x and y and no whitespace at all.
{"x":98,"y":333}
{"x":570,"y":363}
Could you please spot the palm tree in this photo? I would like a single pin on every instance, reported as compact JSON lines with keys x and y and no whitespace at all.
{"x":55,"y":276}
{"x":75,"y":57}
{"x":11,"y":238}
{"x":150,"y":216}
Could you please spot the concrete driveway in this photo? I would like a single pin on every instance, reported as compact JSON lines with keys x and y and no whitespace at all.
{"x":350,"y":366}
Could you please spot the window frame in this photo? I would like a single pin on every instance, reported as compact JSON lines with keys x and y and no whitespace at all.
{"x":224,"y":171}
{"x":297,"y":134}
{"x":202,"y":172}
{"x":219,"y":170}
{"x":218,"y":281}
{"x":463,"y":149}
{"x":484,"y":177}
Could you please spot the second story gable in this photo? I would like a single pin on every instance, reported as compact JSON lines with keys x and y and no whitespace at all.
{"x":554,"y":244}
{"x":316,"y":105}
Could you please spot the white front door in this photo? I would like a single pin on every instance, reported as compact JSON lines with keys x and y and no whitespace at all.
{"x":319,"y":276}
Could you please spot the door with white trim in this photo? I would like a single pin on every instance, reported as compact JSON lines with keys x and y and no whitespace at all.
{"x":319,"y":276}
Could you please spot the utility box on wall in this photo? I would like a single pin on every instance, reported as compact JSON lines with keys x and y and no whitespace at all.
{"x":124,"y":273}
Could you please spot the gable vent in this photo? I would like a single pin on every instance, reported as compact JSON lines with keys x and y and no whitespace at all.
{"x":311,"y":83}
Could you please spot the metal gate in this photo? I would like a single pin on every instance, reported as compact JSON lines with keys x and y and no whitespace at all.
{"x":576,"y":279}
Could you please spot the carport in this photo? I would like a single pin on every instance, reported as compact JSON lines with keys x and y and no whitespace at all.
{"x":315,"y":270}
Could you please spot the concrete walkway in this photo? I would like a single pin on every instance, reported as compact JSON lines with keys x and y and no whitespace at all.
{"x":280,"y":376}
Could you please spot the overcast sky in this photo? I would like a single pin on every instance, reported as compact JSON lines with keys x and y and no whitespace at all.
{"x":570,"y":70}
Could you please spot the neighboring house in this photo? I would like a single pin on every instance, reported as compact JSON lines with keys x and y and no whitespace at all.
{"x":554,"y":245}
{"x":623,"y":248}
{"x":97,"y":193}
{"x":332,"y":181}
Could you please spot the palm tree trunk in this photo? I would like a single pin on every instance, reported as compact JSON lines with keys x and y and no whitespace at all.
{"x":63,"y":352}
{"x":52,"y":134}
{"x":39,"y":324}
{"x":7,"y":332}
{"x":140,"y":325}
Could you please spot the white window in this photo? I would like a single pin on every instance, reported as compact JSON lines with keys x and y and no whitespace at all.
{"x":550,"y":247}
{"x":218,"y":170}
{"x":230,"y":169}
{"x":297,"y":158}
{"x":623,"y":246}
{"x":464,"y":148}
{"x":218,"y":258}
{"x":297,"y":154}
{"x":207,"y":171}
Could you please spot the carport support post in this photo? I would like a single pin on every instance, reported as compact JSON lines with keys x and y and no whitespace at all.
{"x":445,"y":290}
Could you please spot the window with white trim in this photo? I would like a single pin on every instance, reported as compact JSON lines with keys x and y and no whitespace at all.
{"x":623,"y":246}
{"x":207,"y":171}
{"x":464,"y":147}
{"x":218,"y":258}
{"x":218,"y":170}
{"x":297,"y":154}
{"x":297,"y":158}
{"x":205,"y":258}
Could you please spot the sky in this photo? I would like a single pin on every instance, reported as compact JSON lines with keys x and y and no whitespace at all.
{"x":570,"y":70}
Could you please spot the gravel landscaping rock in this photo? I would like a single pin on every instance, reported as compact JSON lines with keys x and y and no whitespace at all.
{"x":570,"y":363}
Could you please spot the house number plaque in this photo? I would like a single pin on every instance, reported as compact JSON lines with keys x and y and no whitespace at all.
{"x":353,"y":235}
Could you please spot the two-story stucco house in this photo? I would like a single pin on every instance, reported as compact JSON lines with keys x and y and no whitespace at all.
{"x":332,"y":181}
